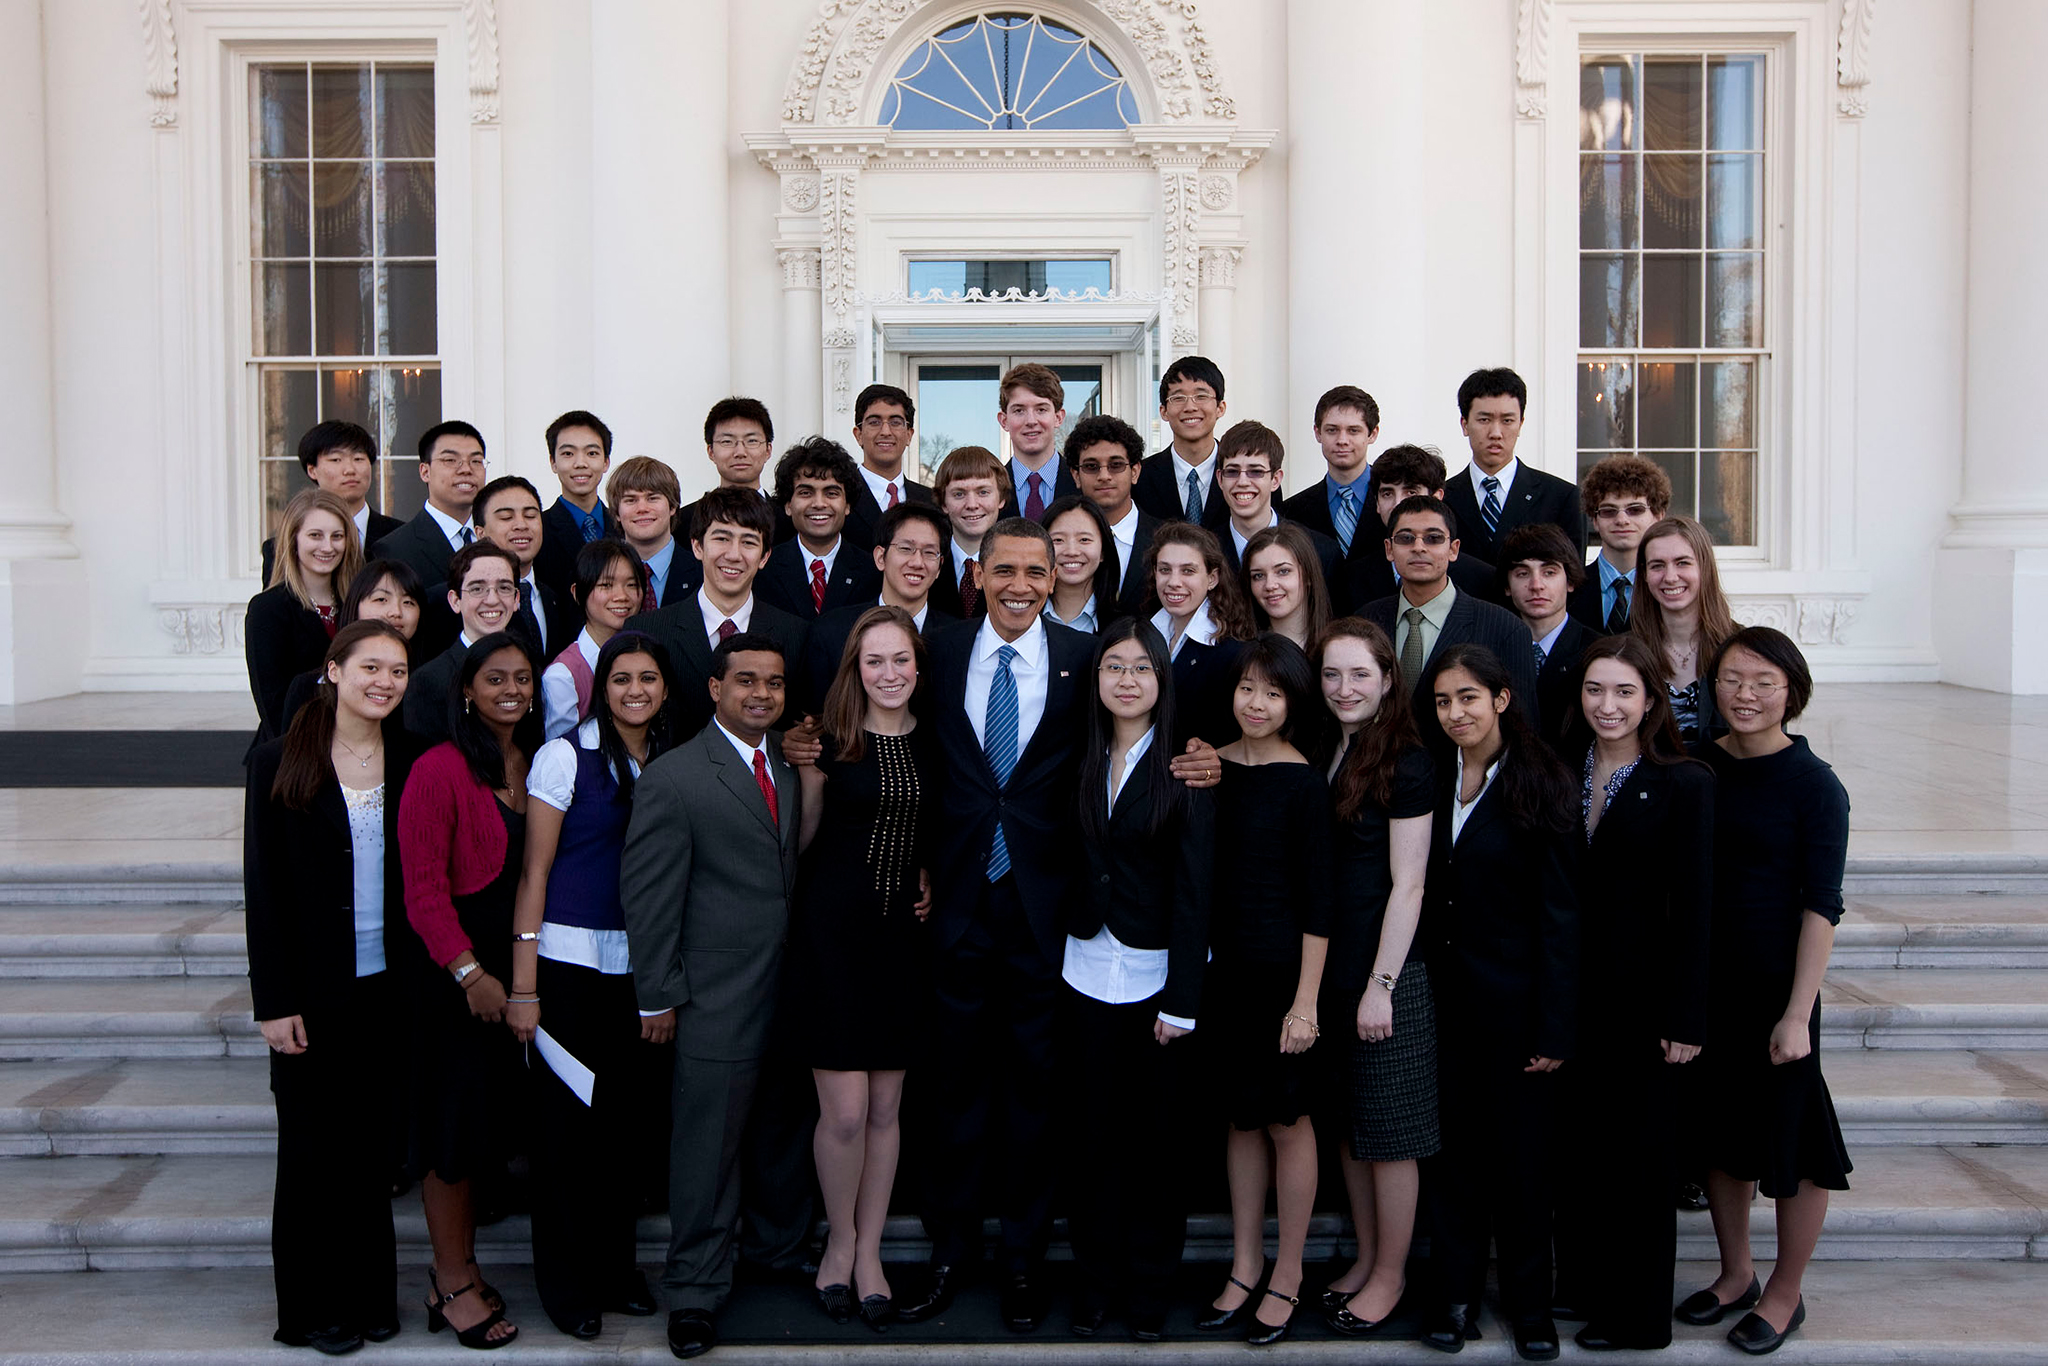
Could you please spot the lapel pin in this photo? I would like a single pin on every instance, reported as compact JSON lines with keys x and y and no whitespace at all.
{"x":1063,"y":673}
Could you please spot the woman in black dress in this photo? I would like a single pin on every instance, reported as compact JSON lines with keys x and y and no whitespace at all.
{"x":1645,"y":899}
{"x":1270,"y":928}
{"x":1781,"y":838}
{"x":324,"y":900}
{"x":1381,"y":1063}
{"x":462,"y":834}
{"x":857,"y":939}
{"x":289,"y":623}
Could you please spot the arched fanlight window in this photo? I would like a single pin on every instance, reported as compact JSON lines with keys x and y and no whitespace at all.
{"x":1009,"y":71}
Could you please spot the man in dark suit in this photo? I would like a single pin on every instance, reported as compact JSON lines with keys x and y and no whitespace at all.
{"x":1181,"y":480}
{"x":644,"y":493}
{"x":1248,"y":472}
{"x":580,"y":453}
{"x":730,"y":539}
{"x":912,"y":549}
{"x":972,"y":487}
{"x":1429,"y":615}
{"x":1011,"y":695}
{"x":1339,"y":504}
{"x":1105,"y":455}
{"x":885,"y":426}
{"x":452,"y":467}
{"x":1497,"y":493}
{"x":341,"y":458}
{"x":483,"y":595}
{"x":739,"y":438}
{"x":1541,"y":570}
{"x":819,"y":567}
{"x":1401,"y":473}
{"x":1034,"y":408}
{"x":705,"y":878}
{"x":1625,"y":495}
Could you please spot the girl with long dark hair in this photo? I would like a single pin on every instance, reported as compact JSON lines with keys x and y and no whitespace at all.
{"x":1284,"y":581}
{"x":1681,"y":613}
{"x":610,"y":587}
{"x":1199,"y":608}
{"x":1085,"y":568}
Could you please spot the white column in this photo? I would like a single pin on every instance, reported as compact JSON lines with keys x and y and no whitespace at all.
{"x":1219,"y":303}
{"x":1357,"y":97}
{"x":1991,"y":577}
{"x":660,"y":303}
{"x":799,"y":406}
{"x":41,"y":649}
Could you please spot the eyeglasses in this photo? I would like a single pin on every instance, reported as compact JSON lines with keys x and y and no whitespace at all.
{"x":922,"y":553}
{"x":1231,"y":474}
{"x":1432,"y":539}
{"x":1607,"y":512}
{"x":726,"y":445}
{"x":459,"y":462}
{"x":1115,"y":669}
{"x":1095,"y":467}
{"x":1763,"y":689}
{"x":1177,"y":402}
{"x":503,"y":588}
{"x":875,"y":423}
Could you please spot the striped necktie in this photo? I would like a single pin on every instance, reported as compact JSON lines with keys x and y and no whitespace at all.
{"x":999,"y":743}
{"x":1489,"y":511}
{"x":1346,"y":519}
{"x":1617,"y":620}
{"x":1194,"y":502}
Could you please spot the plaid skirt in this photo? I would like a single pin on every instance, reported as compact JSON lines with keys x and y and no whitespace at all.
{"x":1393,"y":1081}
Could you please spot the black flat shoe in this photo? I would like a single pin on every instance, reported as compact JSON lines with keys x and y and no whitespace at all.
{"x":334,"y":1340}
{"x":1350,"y":1325}
{"x":583,"y":1330}
{"x":877,"y":1312}
{"x":690,"y":1333}
{"x":1263,"y":1334}
{"x":1223,"y":1320}
{"x":1567,"y":1312}
{"x":937,"y":1298}
{"x":1704,"y":1309}
{"x":1332,"y":1299}
{"x":1149,"y":1328}
{"x":1536,"y":1340}
{"x":1691,"y":1196}
{"x":1023,"y":1304}
{"x":837,"y":1301}
{"x":383,"y":1332}
{"x":1087,"y":1322}
{"x":1452,"y":1327}
{"x":1591,"y":1339}
{"x":633,"y":1298}
{"x":1755,"y":1335}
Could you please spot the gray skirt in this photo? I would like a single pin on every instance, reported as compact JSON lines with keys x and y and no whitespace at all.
{"x":1393,"y":1081}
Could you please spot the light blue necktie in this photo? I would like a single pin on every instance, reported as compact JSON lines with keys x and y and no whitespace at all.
{"x":1347,"y":518}
{"x":999,"y":743}
{"x":1194,"y":503}
{"x":1489,"y":512}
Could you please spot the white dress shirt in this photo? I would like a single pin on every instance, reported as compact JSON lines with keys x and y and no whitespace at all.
{"x":552,"y":780}
{"x":1205,"y":472}
{"x":830,"y":557}
{"x":1084,"y":620}
{"x":362,"y":521}
{"x":1506,"y":477}
{"x":747,"y":751}
{"x":1201,"y":629}
{"x":1029,"y":669}
{"x":1240,"y":540}
{"x":1125,"y":534}
{"x":1461,"y":810}
{"x":713,"y":618}
{"x":450,"y":528}
{"x":880,"y":487}
{"x":559,"y":710}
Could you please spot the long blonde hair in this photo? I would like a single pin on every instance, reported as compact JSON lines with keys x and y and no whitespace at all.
{"x":287,"y":570}
{"x":1716,"y":622}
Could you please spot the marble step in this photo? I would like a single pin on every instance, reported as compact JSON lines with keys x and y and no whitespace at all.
{"x":155,"y":1213}
{"x":1956,"y":931}
{"x":1974,"y":1008}
{"x":90,"y":846}
{"x":1859,"y":1314}
{"x":141,"y":940}
{"x":119,"y":1107}
{"x":143,"y":1017}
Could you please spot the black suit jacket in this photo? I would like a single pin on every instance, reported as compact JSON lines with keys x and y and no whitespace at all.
{"x":280,"y":641}
{"x":1470,"y":622}
{"x":1584,"y":603}
{"x":560,"y":540}
{"x":1500,"y":930}
{"x":1062,"y":485}
{"x":1157,"y":492}
{"x":785,"y":581}
{"x":425,"y":709}
{"x":1153,"y":888}
{"x":298,"y":880}
{"x":419,"y":543}
{"x":1311,"y":508}
{"x":1534,"y":497}
{"x":380,"y":526}
{"x":680,"y":628}
{"x":1204,"y":684}
{"x":826,"y":642}
{"x":1036,"y":807}
{"x":864,"y":513}
{"x":1557,"y":683}
{"x":945,"y":595}
{"x":1329,"y":555}
{"x":440,"y":626}
{"x":1136,"y":587}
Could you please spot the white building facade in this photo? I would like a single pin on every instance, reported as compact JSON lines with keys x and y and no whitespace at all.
{"x":1786,"y":248}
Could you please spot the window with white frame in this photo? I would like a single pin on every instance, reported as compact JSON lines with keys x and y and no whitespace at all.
{"x":1008,"y":71}
{"x":342,"y":266}
{"x":1674,"y":352}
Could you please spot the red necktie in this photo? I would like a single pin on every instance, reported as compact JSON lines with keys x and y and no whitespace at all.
{"x":970,"y":588}
{"x":817,"y":585}
{"x":647,"y":602}
{"x":767,"y":784}
{"x":726,"y":630}
{"x":1034,"y":506}
{"x":894,"y":497}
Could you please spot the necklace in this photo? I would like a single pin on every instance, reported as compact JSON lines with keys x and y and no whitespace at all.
{"x":375,"y":750}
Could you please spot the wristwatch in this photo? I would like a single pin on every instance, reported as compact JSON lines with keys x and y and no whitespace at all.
{"x":462,"y":973}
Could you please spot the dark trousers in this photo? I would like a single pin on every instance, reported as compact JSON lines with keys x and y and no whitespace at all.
{"x":586,"y":1163}
{"x":331,"y":1246}
{"x":709,"y":1106}
{"x":1617,"y":1227}
{"x":1495,"y":1176}
{"x":1124,"y":1126}
{"x":779,"y":1175}
{"x":992,"y":1071}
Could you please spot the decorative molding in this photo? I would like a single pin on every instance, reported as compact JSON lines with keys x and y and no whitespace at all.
{"x":847,"y":80}
{"x":842,"y":380}
{"x":800,"y":267}
{"x":1810,"y":619}
{"x":480,"y":22}
{"x":1852,"y":57}
{"x":1219,"y":267}
{"x":839,"y":247}
{"x":1825,"y":621}
{"x":1217,"y":193}
{"x":160,"y":62}
{"x":1012,"y":295}
{"x":1182,"y":214}
{"x":800,"y":193}
{"x":1532,"y":58}
{"x":203,"y":628}
{"x":840,"y":339}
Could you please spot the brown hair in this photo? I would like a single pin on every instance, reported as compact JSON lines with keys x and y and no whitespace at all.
{"x":1367,"y":774}
{"x":846,"y":701}
{"x":971,"y":462}
{"x":1251,"y":438}
{"x":1315,"y":592}
{"x":287,"y":570}
{"x":643,"y":474}
{"x":1716,"y":622}
{"x":308,"y":761}
{"x":1226,"y":601}
{"x":1619,"y":474}
{"x":1659,"y":736}
{"x":1544,"y":543}
{"x":1034,"y":378}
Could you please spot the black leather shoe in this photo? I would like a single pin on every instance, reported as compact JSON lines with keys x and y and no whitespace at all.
{"x":1332,"y":1299}
{"x":1263,"y":1334}
{"x":583,"y":1330}
{"x":1088,"y":1320}
{"x":1705,"y":1309}
{"x":936,"y":1300}
{"x":1536,"y":1339}
{"x":1592,"y":1339}
{"x":1452,"y":1327}
{"x":1223,"y":1320}
{"x":1148,"y":1327}
{"x":1350,"y":1325}
{"x":1023,"y":1304}
{"x":1755,"y":1335}
{"x":632,"y":1298}
{"x":878,"y":1312}
{"x":383,"y":1332}
{"x":690,"y":1333}
{"x":837,"y":1301}
{"x":334,"y":1340}
{"x":1691,"y":1196}
{"x":1568,"y":1311}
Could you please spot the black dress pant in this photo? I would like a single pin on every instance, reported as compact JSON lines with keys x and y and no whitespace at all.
{"x":1617,"y":1226}
{"x":1495,"y":1175}
{"x":338,"y":1141}
{"x":1124,"y":1130}
{"x":992,"y":1074}
{"x":586,"y":1182}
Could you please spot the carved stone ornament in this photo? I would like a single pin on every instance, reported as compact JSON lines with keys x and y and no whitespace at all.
{"x":204,"y":629}
{"x":1183,"y":216}
{"x":160,"y":62}
{"x":480,"y":23}
{"x":1217,"y":193}
{"x":842,"y":382}
{"x":1532,"y":58}
{"x":1852,"y":57}
{"x":800,"y":194}
{"x":1776,"y":613}
{"x":1825,"y":621}
{"x":838,"y":251}
{"x":839,"y":339}
{"x":1219,"y":267}
{"x":799,"y":267}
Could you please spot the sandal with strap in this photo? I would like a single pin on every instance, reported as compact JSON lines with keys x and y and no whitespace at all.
{"x":1222,"y":1320}
{"x":477,"y":1335}
{"x":1265,"y":1334}
{"x":485,"y":1288}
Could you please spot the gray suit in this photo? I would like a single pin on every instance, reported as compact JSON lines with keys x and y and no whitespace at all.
{"x":706,"y":880}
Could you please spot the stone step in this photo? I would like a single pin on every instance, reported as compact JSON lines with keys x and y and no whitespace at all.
{"x":141,"y":940}
{"x":1942,"y":932}
{"x":121,"y":1107}
{"x":155,"y":1213}
{"x":145,"y":1017}
{"x":1974,"y":1008}
{"x":1859,"y":1314}
{"x":90,"y":846}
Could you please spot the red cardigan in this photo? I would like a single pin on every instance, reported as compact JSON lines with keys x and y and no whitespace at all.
{"x":452,"y":842}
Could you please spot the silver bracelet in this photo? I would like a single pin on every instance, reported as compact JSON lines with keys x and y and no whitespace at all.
{"x":526,"y":938}
{"x":1385,"y":979}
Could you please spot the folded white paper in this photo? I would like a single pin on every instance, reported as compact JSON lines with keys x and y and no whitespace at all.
{"x":574,"y":1074}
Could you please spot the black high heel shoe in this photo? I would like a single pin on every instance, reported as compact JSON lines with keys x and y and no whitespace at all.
{"x":1265,"y":1334}
{"x":1223,"y":1320}
{"x":477,"y":1335}
{"x":837,"y":1302}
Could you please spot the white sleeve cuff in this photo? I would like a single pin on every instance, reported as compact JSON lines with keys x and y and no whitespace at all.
{"x":1177,"y":1021}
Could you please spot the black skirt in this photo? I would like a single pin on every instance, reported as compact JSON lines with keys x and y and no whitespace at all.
{"x":1243,"y":1007}
{"x":1393,"y":1081}
{"x":1783,"y":1130}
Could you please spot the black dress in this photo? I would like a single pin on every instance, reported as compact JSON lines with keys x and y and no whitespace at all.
{"x":1781,"y":838}
{"x":1272,"y":887}
{"x":468,"y":1076}
{"x":860,"y":951}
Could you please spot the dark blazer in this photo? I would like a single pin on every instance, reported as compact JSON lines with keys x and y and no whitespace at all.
{"x":706,"y":877}
{"x":298,"y":880}
{"x":1584,"y":602}
{"x":785,"y":581}
{"x":418,"y":543}
{"x":1152,"y":889}
{"x":1534,"y":497}
{"x":1036,"y":807}
{"x":1557,"y":683}
{"x":826,"y":641}
{"x":1311,"y":508}
{"x":1159,"y":494}
{"x":425,"y":708}
{"x":864,"y":512}
{"x":1204,"y":685}
{"x":560,"y":539}
{"x":945,"y":594}
{"x":1136,"y":587}
{"x":1500,"y":929}
{"x":1329,"y":555}
{"x":280,"y":640}
{"x":680,"y":628}
{"x":1373,"y":579}
{"x":1470,"y":622}
{"x":380,"y":526}
{"x":1062,"y":485}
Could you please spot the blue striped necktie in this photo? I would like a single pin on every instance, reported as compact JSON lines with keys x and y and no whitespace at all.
{"x":1489,"y":512}
{"x":1347,"y":518}
{"x":1193,"y":506}
{"x":999,"y":743}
